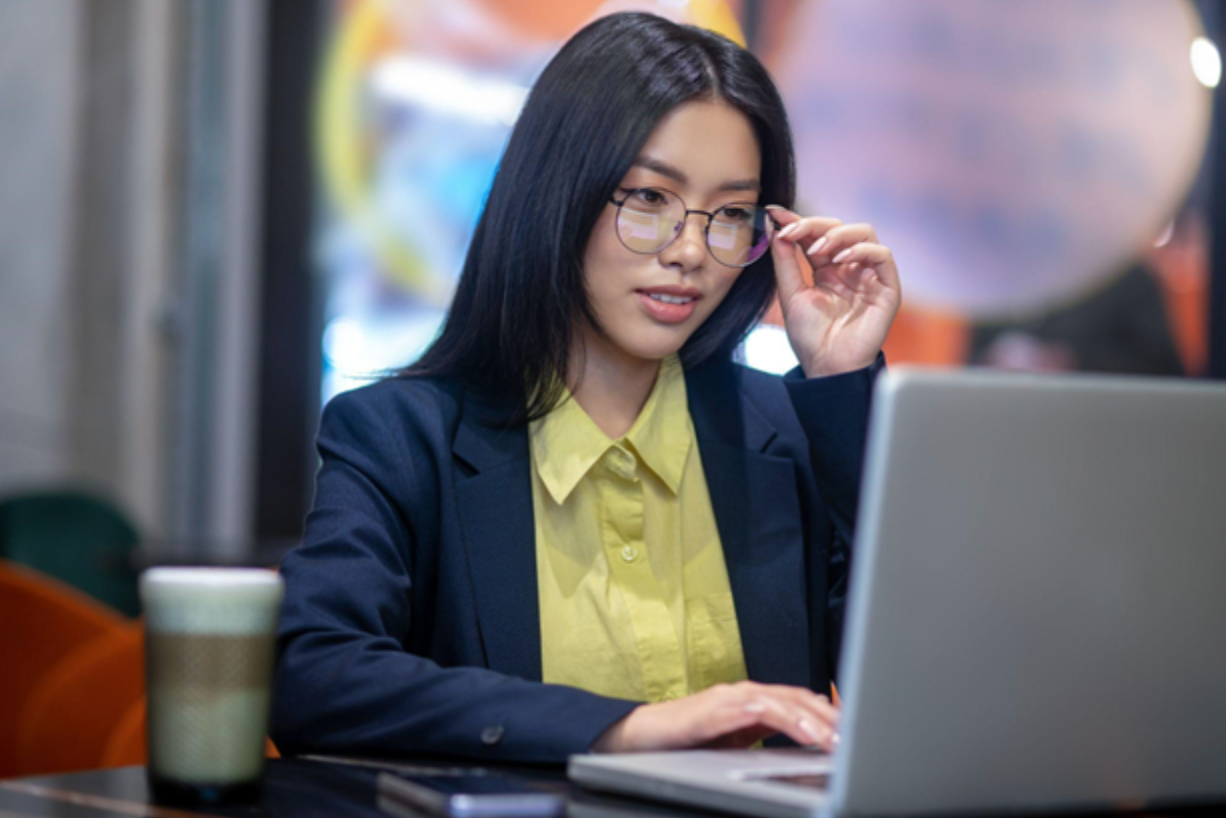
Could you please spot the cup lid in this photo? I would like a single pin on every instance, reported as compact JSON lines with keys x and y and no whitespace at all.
{"x":213,"y":577}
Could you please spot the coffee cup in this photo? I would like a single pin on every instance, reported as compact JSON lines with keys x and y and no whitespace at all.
{"x":209,"y":654}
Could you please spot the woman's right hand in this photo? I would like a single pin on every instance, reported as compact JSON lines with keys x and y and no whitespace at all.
{"x":728,"y":715}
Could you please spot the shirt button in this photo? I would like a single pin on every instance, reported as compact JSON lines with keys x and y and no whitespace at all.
{"x":492,"y":734}
{"x":630,"y":553}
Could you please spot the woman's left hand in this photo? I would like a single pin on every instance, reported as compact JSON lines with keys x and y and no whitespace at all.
{"x":839,"y":322}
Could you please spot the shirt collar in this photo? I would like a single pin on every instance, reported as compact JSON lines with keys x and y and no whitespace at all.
{"x":566,"y":443}
{"x":662,"y":434}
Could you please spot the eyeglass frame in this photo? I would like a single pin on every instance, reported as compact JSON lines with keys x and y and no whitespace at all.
{"x":706,"y":233}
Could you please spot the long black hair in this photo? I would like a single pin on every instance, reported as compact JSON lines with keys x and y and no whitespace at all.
{"x":513,"y":321}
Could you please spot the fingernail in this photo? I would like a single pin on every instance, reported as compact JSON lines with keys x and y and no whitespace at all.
{"x":835,"y":738}
{"x":755,"y":707}
{"x":809,"y":730}
{"x":775,"y":207}
{"x":817,"y":247}
{"x":787,"y":231}
{"x":842,"y":255}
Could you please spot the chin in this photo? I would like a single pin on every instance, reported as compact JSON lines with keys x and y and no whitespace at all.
{"x":654,"y":343}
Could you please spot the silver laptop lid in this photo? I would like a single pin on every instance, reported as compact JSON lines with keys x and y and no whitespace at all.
{"x":1038,"y":601}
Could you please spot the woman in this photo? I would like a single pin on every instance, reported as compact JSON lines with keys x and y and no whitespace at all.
{"x":575,"y":524}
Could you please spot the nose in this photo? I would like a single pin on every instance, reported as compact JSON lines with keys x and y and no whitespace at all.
{"x":689,"y":250}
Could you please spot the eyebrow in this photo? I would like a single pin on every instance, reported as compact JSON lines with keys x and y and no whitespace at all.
{"x":665,"y":169}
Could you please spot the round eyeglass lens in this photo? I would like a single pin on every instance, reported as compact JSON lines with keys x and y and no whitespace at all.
{"x":739,"y":234}
{"x":649,"y":220}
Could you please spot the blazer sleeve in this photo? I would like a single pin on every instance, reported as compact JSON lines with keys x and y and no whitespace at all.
{"x":834,"y":413}
{"x":345,"y":682}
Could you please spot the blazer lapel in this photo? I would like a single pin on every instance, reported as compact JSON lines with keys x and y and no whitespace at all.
{"x":757,"y":512}
{"x":495,"y":507}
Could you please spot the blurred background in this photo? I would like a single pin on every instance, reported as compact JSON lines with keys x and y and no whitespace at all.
{"x":217,"y":214}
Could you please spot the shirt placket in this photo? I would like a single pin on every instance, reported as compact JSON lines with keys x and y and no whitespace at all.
{"x":658,"y":644}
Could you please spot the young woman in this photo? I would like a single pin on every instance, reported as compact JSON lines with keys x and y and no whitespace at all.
{"x":575,"y":524}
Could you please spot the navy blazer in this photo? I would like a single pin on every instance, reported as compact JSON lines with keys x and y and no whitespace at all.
{"x":411,"y":621}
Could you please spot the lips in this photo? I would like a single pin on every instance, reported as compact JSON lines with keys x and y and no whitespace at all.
{"x":670,"y":304}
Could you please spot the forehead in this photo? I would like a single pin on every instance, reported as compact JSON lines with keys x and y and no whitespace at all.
{"x":709,"y":143}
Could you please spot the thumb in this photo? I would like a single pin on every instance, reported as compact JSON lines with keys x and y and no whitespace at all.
{"x":788,"y":277}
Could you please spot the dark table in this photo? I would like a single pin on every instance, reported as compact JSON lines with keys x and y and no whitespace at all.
{"x":304,"y":788}
{"x":298,"y":787}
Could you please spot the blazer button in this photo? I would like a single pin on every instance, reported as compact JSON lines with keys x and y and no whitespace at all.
{"x":492,"y":734}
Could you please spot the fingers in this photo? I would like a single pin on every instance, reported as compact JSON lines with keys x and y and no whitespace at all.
{"x":819,"y":236}
{"x":801,"y":724}
{"x":839,"y":238}
{"x":827,"y":241}
{"x":815,"y":717}
{"x":855,"y":246}
{"x":822,"y":714}
{"x":737,"y":715}
{"x":786,"y":218}
{"x":808,"y":232}
{"x":867,"y":254}
{"x":754,"y":711}
{"x":782,"y":215}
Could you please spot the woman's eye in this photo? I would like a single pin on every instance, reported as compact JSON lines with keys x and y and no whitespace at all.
{"x":649,"y":197}
{"x":736,"y":214}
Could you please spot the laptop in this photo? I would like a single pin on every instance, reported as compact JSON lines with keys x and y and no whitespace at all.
{"x":1037,"y":613}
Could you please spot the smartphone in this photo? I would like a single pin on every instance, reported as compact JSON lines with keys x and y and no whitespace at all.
{"x":471,"y":796}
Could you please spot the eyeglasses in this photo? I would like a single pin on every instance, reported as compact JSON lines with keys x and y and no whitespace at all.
{"x":650,"y":219}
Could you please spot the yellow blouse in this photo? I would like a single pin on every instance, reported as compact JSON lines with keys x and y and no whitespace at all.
{"x":634,"y":595}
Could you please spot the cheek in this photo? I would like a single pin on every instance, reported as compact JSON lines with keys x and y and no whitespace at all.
{"x":724,"y":281}
{"x":606,"y":263}
{"x":603,"y":246}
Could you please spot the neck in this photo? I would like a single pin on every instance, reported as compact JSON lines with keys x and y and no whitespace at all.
{"x":609,"y":385}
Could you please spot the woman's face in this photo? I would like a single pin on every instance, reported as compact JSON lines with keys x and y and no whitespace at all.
{"x":706,"y":153}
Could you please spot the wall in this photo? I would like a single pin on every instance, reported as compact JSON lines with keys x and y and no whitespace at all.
{"x":38,"y":97}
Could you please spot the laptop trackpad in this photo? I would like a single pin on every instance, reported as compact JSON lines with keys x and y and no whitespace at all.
{"x":810,"y":781}
{"x":812,"y":774}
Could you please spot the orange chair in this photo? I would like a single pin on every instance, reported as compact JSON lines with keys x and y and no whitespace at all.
{"x":128,"y":744}
{"x":69,"y":720}
{"x":44,"y":620}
